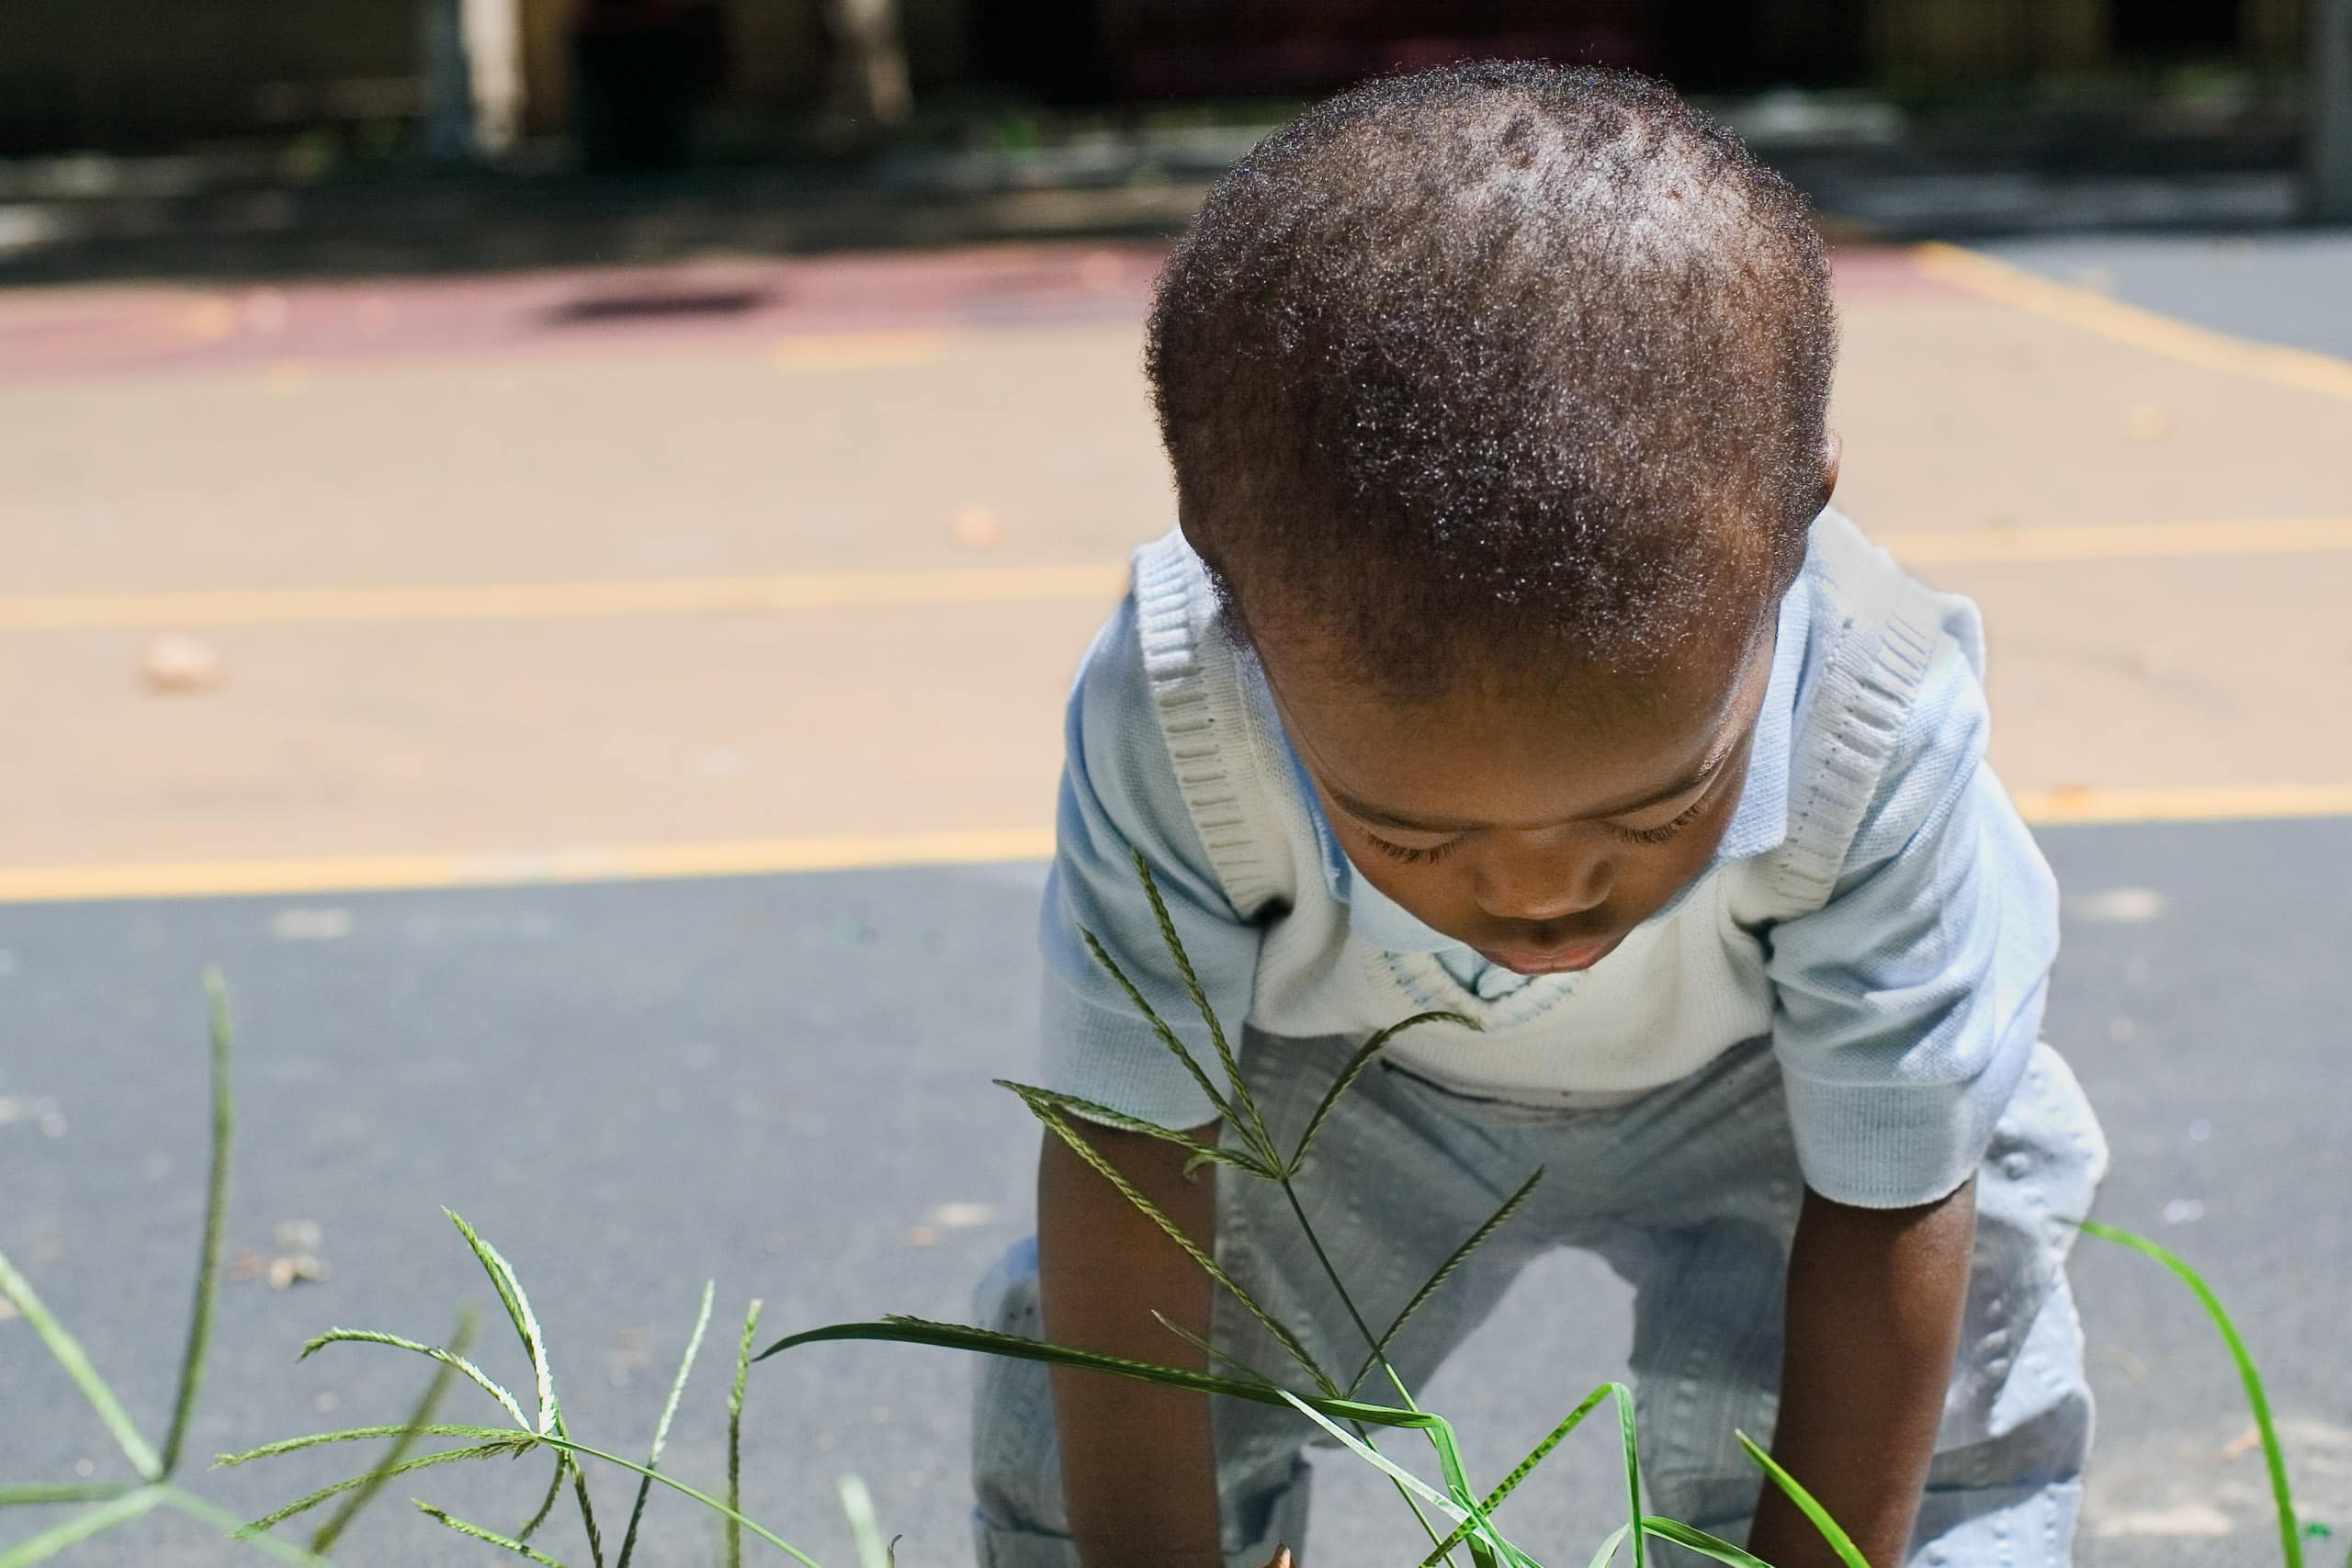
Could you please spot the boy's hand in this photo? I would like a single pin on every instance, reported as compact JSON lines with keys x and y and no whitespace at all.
{"x":1873,"y":1319}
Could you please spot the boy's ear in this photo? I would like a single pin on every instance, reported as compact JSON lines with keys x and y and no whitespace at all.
{"x":1792,"y":545}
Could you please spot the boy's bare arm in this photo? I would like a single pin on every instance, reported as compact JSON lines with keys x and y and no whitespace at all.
{"x":1139,"y":1463}
{"x":1874,"y":1306}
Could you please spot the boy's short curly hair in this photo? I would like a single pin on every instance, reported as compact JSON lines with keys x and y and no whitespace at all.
{"x":1494,"y":369}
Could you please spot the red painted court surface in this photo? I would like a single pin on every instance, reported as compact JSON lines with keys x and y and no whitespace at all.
{"x":722,"y":303}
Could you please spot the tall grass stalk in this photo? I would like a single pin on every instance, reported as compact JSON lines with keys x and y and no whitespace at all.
{"x":864,"y":1534}
{"x":397,"y":1453}
{"x":546,"y":1429}
{"x":2290,"y":1541}
{"x":735,"y":1437}
{"x":215,"y":1219}
{"x":82,"y":1526}
{"x":116,"y":1504}
{"x":67,"y":1352}
{"x":661,"y":1428}
{"x":504,"y":1542}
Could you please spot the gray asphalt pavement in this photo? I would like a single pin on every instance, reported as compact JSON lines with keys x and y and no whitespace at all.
{"x":781,"y":1082}
{"x":2283,"y":286}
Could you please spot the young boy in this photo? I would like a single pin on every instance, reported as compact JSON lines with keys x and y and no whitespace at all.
{"x":1509,"y":662}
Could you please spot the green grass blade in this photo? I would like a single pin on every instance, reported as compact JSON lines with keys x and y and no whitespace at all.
{"x":1035,"y":1097}
{"x":1700,"y":1542}
{"x":735,"y":1436}
{"x":1632,"y":1468}
{"x":81,"y":1527}
{"x":1526,"y":1467}
{"x":1458,"y":1506}
{"x":1160,"y":1026}
{"x":986,"y":1341}
{"x":64,"y":1491}
{"x":518,"y":1310}
{"x":547,"y":1500}
{"x":1233,"y":1363}
{"x":1608,"y":1553}
{"x":1484,"y":1541}
{"x":503,"y":1447}
{"x":327,"y":1534}
{"x":1445,"y":1270}
{"x":1633,"y":1473}
{"x":215,"y":1219}
{"x":517,"y":1303}
{"x":1354,"y":1070}
{"x":2281,"y":1495}
{"x":587,"y":1516}
{"x":361,"y":1435}
{"x":1251,"y":1373}
{"x":493,"y":1537}
{"x":582,"y":1450}
{"x":661,"y":1428}
{"x":1252,"y":1126}
{"x":228,"y":1524}
{"x":1450,"y":1506}
{"x":857,"y":1505}
{"x":69,"y":1354}
{"x":1831,"y":1532}
{"x":480,"y":1379}
{"x":1193,"y":1249}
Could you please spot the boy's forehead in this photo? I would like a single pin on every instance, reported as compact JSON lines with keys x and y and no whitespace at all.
{"x":1514,"y":749}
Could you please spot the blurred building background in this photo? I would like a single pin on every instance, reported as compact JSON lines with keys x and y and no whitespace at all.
{"x":145,"y":137}
{"x":665,"y":79}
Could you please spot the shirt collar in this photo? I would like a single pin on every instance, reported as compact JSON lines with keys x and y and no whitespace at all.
{"x":1760,"y":822}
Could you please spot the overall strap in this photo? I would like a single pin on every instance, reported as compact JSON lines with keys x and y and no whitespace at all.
{"x":1222,"y":749}
{"x":1877,"y":650}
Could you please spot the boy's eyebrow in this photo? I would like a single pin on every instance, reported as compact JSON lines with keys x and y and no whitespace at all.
{"x":1380,"y":817}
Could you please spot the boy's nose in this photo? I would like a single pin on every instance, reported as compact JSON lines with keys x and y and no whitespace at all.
{"x":1539,"y":885}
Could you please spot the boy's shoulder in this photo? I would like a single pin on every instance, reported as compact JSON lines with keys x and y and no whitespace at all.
{"x":1887,"y":718}
{"x":1862,"y":588}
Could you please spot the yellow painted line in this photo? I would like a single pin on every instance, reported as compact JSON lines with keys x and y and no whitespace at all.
{"x":639,"y":862}
{"x":1096,"y":582}
{"x":2094,"y":312}
{"x":642,"y":862}
{"x":2119,"y":541}
{"x":858,"y":351}
{"x":2217,"y":802}
{"x":562,"y":601}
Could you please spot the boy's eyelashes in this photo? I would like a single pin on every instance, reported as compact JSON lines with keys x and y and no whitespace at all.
{"x":1665,"y":830}
{"x":1410,"y":855}
{"x":1429,"y":855}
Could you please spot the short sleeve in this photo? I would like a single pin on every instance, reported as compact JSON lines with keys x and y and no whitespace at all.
{"x":1119,"y":796}
{"x":1908,"y":1005}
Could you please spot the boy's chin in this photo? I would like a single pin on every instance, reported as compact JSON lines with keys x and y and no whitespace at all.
{"x":1565,"y":959}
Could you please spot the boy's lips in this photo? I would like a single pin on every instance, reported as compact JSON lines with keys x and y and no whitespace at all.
{"x":1564,"y":959}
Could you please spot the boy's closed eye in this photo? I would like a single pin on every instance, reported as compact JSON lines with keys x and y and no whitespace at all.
{"x":1634,"y":831}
